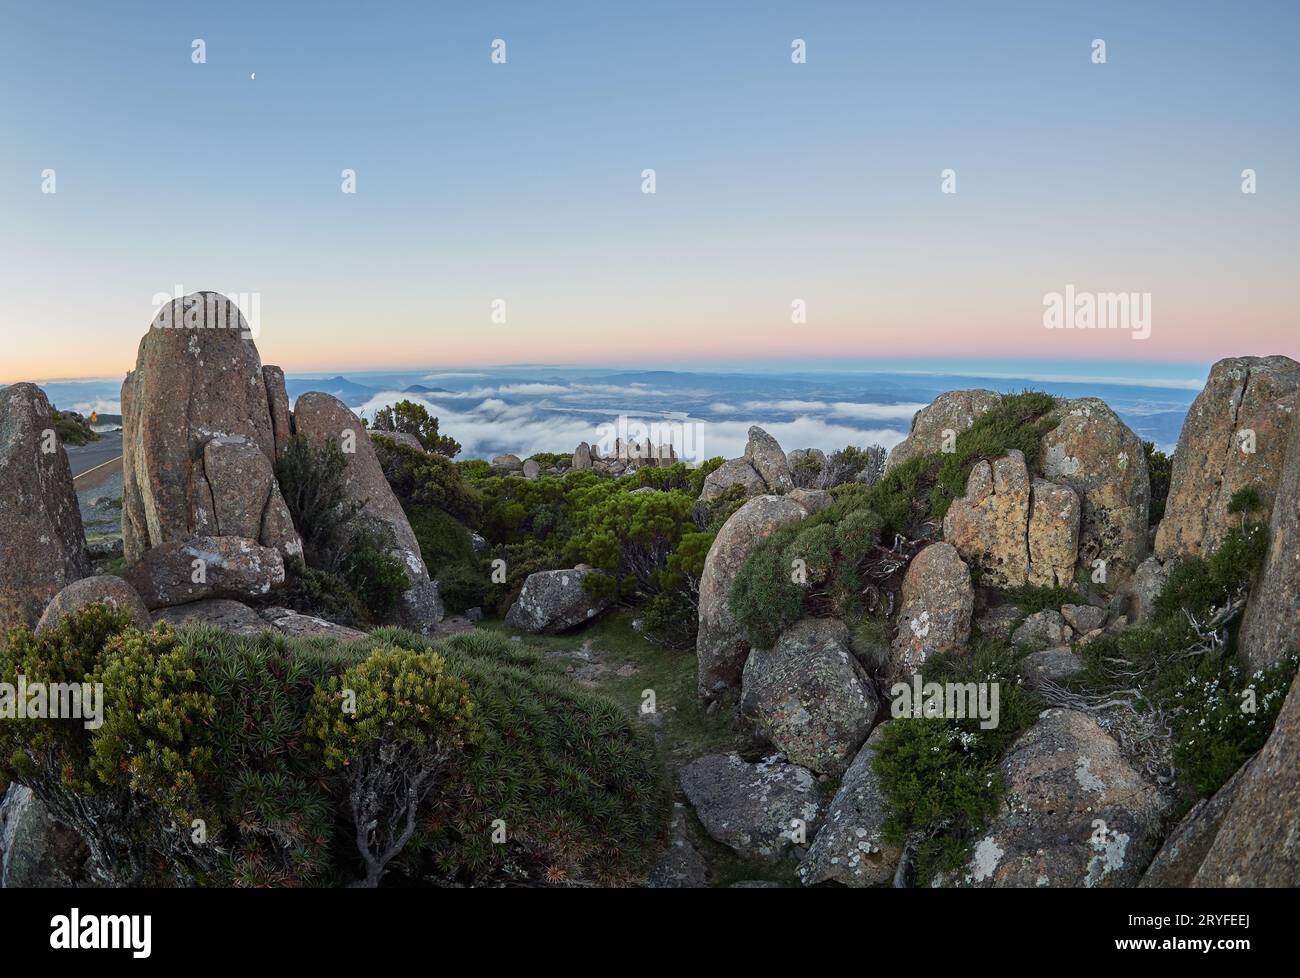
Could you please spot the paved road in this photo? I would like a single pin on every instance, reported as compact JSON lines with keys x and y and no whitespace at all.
{"x":108,"y":448}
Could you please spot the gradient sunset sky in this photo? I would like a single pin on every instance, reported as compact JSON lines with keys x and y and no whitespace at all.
{"x":775,"y":181}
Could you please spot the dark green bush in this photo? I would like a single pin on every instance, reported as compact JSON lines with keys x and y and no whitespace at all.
{"x":373,"y":571}
{"x":411,"y":418}
{"x":313,"y":481}
{"x":421,"y":479}
{"x":1159,"y":469}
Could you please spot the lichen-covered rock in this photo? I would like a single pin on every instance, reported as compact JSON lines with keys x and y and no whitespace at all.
{"x":988,"y":525}
{"x":952,"y":412}
{"x":1053,"y":534}
{"x":507,"y":463}
{"x":1271,"y":626}
{"x":1076,"y":813}
{"x":1052,"y":665}
{"x":850,"y":847}
{"x":762,"y":811}
{"x":230,"y":616}
{"x":37,"y":852}
{"x":181,"y":572}
{"x":42,"y":541}
{"x":809,"y":696}
{"x":737,"y":472}
{"x":103,"y":589}
{"x":1044,"y":629}
{"x":1247,"y":402}
{"x":551,"y":602}
{"x":196,"y":379}
{"x":1137,"y":598}
{"x":320,"y":418}
{"x":1258,"y":842}
{"x":935,"y":613}
{"x":532,"y":469}
{"x":301,"y":626}
{"x":582,"y":457}
{"x":1094,"y":453}
{"x":721,"y":646}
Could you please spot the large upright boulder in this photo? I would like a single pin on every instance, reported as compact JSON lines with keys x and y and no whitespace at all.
{"x":42,"y":541}
{"x":1271,"y":626}
{"x":952,"y":412}
{"x":198,"y":433}
{"x":937,"y":602}
{"x":320,"y":418}
{"x":988,"y":525}
{"x":1247,"y":403}
{"x":1098,"y":456}
{"x":721,"y":645}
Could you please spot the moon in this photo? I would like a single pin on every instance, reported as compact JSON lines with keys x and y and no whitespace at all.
{"x":253,"y":76}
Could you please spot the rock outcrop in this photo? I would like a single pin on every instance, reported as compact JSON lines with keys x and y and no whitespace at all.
{"x":950,"y":413}
{"x":199,"y":438}
{"x":1015,"y":529}
{"x":809,"y":696}
{"x":763,"y":469}
{"x":42,"y":541}
{"x":721,"y":645}
{"x":761,"y":810}
{"x":1094,"y":453}
{"x":1271,"y":626}
{"x":37,"y":852}
{"x":103,"y":589}
{"x":1076,"y":813}
{"x":551,"y":602}
{"x":935,"y":614}
{"x":1235,"y":437}
{"x":320,"y":418}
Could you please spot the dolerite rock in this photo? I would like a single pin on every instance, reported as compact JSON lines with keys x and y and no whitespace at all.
{"x":1185,"y":848}
{"x":507,"y":463}
{"x":809,"y":696}
{"x":1271,"y":625}
{"x":1054,"y":515}
{"x":954,"y":411}
{"x":582,"y":456}
{"x":555,"y":601}
{"x":1013,"y":529}
{"x":935,"y":613}
{"x":721,"y":646}
{"x":532,"y":469}
{"x":1076,"y":813}
{"x":1137,"y":598}
{"x":1044,"y":629}
{"x":230,"y":616}
{"x":1243,"y":394}
{"x":37,"y":852}
{"x":399,"y":438}
{"x":1051,"y":665}
{"x":319,"y":418}
{"x":764,"y":453}
{"x":1094,"y":453}
{"x":760,"y":810}
{"x":277,"y":398}
{"x":998,"y":622}
{"x":1083,"y":618}
{"x":104,"y":589}
{"x":42,"y":541}
{"x":813,"y":500}
{"x":850,"y":847}
{"x":737,"y":472}
{"x":301,"y":626}
{"x":988,"y":525}
{"x":1258,"y":842}
{"x":205,"y":567}
{"x":196,"y":380}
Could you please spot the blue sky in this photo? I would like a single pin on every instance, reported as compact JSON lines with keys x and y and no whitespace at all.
{"x":522,"y":181}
